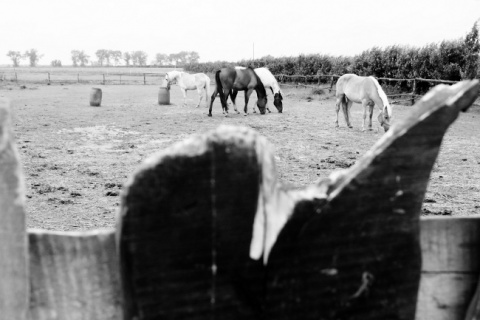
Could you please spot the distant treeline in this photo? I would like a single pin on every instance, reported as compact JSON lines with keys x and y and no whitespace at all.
{"x":449,"y":60}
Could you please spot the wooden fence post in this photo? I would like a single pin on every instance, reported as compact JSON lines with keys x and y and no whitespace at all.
{"x":348,"y":247}
{"x":331,"y":84}
{"x":78,"y":77}
{"x":48,"y":75}
{"x":414,"y":91}
{"x":74,"y":275}
{"x":14,"y":286}
{"x":16,"y":79}
{"x":144,"y":81}
{"x":103,"y":78}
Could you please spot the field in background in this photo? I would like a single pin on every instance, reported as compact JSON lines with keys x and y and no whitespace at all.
{"x":111,"y":75}
{"x":76,"y":157}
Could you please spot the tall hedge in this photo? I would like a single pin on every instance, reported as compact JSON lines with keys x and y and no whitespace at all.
{"x":448,"y":60}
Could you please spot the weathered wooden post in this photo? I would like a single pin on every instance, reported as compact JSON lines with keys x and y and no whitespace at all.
{"x":207,"y":231}
{"x":48,"y":76}
{"x":78,"y":77}
{"x":414,"y":90}
{"x":103,"y":79}
{"x":14,"y":286}
{"x":144,"y":80}
{"x":74,"y":275}
{"x":331,"y":84}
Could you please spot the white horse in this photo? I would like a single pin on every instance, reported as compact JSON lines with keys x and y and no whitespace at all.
{"x":367,"y":91}
{"x":186,"y":81}
{"x":269,"y":81}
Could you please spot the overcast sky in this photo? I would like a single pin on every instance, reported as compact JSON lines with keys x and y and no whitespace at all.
{"x":226,"y":30}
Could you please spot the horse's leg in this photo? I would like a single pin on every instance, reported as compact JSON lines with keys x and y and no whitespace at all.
{"x":200,"y":96}
{"x":338,"y":104}
{"x":348,"y":107}
{"x":226,"y":93}
{"x":370,"y":116}
{"x":184,"y":92}
{"x":247,"y":96}
{"x":365,"y":106}
{"x":233,"y":96}
{"x":212,"y":98}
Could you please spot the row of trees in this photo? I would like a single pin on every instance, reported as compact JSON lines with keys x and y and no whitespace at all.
{"x":449,"y":60}
{"x":32,"y":56}
{"x":106,"y":57}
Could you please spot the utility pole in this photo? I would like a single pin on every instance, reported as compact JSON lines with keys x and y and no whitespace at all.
{"x":253,"y":56}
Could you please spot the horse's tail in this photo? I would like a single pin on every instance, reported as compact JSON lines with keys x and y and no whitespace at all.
{"x":218,"y":82}
{"x":208,"y":91}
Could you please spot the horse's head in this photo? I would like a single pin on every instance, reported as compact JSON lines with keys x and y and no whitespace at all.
{"x":171,"y":77}
{"x":262,"y":104}
{"x":384,"y":119}
{"x":277,"y":101}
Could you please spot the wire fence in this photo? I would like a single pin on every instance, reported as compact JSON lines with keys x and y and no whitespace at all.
{"x":328,"y":82}
{"x":316,"y":82}
{"x":82,"y":78}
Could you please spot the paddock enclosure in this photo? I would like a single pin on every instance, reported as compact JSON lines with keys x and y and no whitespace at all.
{"x":83,"y":165}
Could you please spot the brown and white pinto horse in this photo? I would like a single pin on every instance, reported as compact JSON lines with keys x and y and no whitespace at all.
{"x":367,"y":91}
{"x":229,"y":80}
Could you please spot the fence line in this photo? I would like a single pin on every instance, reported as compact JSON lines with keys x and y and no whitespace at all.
{"x":413,"y":95}
{"x":338,"y":250}
{"x":146,"y":78}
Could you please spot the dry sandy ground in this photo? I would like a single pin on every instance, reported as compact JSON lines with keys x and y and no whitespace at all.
{"x":76,"y":157}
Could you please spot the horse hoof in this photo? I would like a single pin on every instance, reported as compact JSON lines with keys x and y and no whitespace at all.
{"x":245,"y":114}
{"x":209,"y":114}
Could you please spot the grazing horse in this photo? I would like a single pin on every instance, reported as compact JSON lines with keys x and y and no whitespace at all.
{"x":367,"y":91}
{"x":229,"y":80}
{"x":269,"y":81}
{"x":186,"y":81}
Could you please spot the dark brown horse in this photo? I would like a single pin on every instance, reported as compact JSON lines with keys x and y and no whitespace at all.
{"x":230,"y":80}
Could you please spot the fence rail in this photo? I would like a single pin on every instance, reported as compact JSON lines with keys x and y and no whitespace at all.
{"x":412,"y":96}
{"x":206,"y":231}
{"x":116,"y":78}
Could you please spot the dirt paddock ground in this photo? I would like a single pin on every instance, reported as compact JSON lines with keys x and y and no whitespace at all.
{"x":76,"y":157}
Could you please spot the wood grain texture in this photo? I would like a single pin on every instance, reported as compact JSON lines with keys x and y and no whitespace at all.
{"x":13,"y":238}
{"x":450,"y":252}
{"x":357,"y":254}
{"x":198,"y":220}
{"x":74,"y":276}
{"x":185,"y":230}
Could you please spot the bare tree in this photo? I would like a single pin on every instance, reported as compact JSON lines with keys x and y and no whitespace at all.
{"x":75,"y":54}
{"x":56,"y":63}
{"x":33,"y":56}
{"x":183,"y":57}
{"x":101,"y":56}
{"x":108,"y":55}
{"x":15,"y":56}
{"x":116,"y":56}
{"x":162,"y":58}
{"x":127,"y":57}
{"x":139,"y":58}
{"x":83,"y":58}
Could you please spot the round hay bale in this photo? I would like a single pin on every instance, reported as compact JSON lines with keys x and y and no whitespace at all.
{"x":164,"y":96}
{"x":95,"y":97}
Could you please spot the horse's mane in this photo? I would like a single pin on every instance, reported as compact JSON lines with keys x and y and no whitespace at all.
{"x":258,"y":88}
{"x":383,"y":96}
